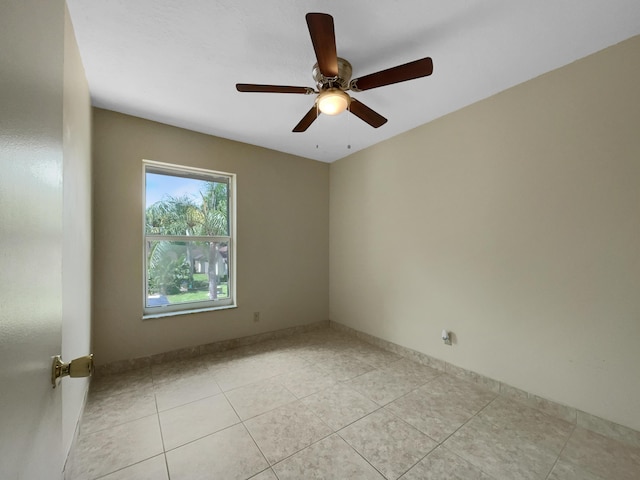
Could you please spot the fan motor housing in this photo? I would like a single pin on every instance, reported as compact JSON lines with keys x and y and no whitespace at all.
{"x":342,"y":81}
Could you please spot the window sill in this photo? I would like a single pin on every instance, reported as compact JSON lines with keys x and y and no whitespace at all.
{"x":174,"y":313}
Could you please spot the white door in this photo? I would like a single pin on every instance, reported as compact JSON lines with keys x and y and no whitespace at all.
{"x":31,"y":99}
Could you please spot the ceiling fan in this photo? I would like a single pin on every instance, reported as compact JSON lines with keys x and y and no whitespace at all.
{"x":333,"y":78}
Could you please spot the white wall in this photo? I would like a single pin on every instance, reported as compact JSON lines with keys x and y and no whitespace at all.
{"x":31,"y":56}
{"x":76,"y":229}
{"x":515,"y":223}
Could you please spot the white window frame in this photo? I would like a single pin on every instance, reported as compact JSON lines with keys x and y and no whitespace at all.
{"x":200,"y":306}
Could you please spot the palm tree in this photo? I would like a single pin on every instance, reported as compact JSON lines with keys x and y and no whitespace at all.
{"x":184,"y":217}
{"x":215,"y":222}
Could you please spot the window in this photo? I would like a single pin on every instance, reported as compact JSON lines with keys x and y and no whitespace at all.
{"x":189,"y":243}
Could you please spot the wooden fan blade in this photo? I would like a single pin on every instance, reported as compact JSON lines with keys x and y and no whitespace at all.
{"x":307,"y":120}
{"x":401,"y":73}
{"x":250,"y":87}
{"x":323,"y":38}
{"x":363,"y":112}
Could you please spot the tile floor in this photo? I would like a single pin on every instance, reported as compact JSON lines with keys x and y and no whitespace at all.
{"x":324,"y":404}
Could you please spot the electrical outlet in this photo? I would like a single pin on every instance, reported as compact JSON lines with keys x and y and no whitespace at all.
{"x":256,"y":316}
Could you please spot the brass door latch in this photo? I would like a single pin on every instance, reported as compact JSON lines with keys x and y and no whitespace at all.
{"x":79,"y":367}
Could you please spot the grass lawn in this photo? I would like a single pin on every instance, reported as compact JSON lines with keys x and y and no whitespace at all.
{"x":198,"y":295}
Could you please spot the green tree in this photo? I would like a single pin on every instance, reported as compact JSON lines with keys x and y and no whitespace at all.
{"x":184,"y":216}
{"x":214,"y":221}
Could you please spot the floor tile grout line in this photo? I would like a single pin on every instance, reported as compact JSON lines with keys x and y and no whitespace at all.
{"x":164,"y":449}
{"x":492,"y":423}
{"x":84,"y":434}
{"x":266,"y":411}
{"x":262,"y":380}
{"x":311,"y":411}
{"x":257,"y":446}
{"x":442,"y":443}
{"x":358,"y":419}
{"x":289,"y":391}
{"x":301,"y":450}
{"x":125,"y":467}
{"x":573,"y":429}
{"x":345,"y":383}
{"x":262,"y":471}
{"x":188,"y":403}
{"x":361,"y":455}
{"x":202,"y":370}
{"x":203,"y":436}
{"x":405,"y":394}
{"x":333,"y":432}
{"x":100,"y":430}
{"x":552,"y":434}
{"x":419,"y":460}
{"x":415,"y":428}
{"x":491,"y":477}
{"x":500,"y":397}
{"x":402,"y":420}
{"x":354,"y":334}
{"x":438,"y":444}
{"x":107,"y":393}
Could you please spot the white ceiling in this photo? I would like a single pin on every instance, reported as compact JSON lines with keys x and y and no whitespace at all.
{"x":177,"y":62}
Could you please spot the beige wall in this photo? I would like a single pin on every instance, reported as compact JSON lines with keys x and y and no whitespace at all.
{"x":76,"y":228}
{"x":515,"y":223}
{"x":283,"y":238}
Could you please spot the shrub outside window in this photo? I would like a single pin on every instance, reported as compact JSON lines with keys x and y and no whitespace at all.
{"x":189,"y":243}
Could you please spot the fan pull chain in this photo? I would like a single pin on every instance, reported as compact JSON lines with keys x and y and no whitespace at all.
{"x":317,"y":115}
{"x":349,"y":127}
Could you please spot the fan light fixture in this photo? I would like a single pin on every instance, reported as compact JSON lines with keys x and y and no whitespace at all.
{"x":332,"y":75}
{"x":333,"y":101}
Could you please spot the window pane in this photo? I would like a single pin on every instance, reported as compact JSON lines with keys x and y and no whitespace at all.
{"x":188,"y":239}
{"x":186,"y":272}
{"x":178,"y":205}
